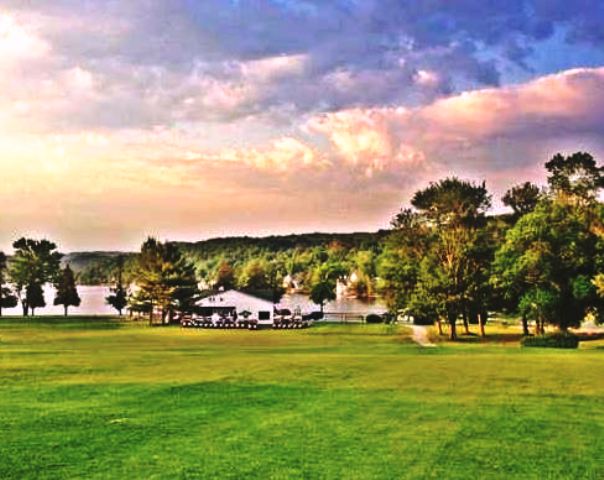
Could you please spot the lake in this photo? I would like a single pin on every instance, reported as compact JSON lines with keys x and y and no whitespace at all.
{"x":93,"y":303}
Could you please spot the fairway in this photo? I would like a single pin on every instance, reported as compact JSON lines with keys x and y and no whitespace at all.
{"x":103,"y":398}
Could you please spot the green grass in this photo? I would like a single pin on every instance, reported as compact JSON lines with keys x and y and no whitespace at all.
{"x":97,"y":398}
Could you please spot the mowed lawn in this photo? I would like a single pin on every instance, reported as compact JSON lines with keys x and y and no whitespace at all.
{"x":100,"y":398}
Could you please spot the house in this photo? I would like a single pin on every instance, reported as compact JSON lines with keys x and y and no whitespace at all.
{"x":230,"y":302}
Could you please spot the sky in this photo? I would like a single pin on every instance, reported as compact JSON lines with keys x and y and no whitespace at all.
{"x":191,"y":119}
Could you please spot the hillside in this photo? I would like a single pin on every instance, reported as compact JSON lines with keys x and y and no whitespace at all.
{"x":98,"y":267}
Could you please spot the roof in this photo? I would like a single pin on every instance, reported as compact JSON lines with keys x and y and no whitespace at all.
{"x":232,"y":297}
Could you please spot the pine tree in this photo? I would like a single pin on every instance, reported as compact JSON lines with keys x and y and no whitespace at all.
{"x":119,"y":294}
{"x":67,"y":292}
{"x":34,"y":297}
{"x":165,"y":279}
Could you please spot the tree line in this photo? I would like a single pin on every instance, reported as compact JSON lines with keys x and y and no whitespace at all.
{"x":35,"y":263}
{"x":446,"y":260}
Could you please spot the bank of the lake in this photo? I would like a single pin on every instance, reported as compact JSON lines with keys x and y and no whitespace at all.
{"x":93,"y":303}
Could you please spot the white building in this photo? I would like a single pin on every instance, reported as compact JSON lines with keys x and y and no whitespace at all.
{"x":231,"y":301}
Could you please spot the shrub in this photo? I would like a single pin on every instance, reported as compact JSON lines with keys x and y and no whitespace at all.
{"x":373,"y":318}
{"x":552,"y":340}
{"x":419,"y":320}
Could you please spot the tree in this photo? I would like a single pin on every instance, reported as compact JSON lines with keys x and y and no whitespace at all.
{"x":575,"y":178}
{"x":322,"y":292}
{"x":399,"y":263}
{"x":34,"y":263}
{"x":7,"y":298}
{"x":454,"y":211}
{"x":548,"y":261}
{"x":119,"y":294}
{"x":522,"y":198}
{"x":67,"y":292}
{"x":254,"y":276}
{"x":34,"y":295}
{"x":539,"y":304}
{"x":165,"y":279}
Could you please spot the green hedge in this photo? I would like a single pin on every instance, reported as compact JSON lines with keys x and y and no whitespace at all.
{"x":552,"y":340}
{"x":373,"y":318}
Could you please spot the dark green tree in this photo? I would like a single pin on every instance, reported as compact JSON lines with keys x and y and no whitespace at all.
{"x":323,"y":292}
{"x":34,"y":295}
{"x":34,"y":263}
{"x":66,"y":290}
{"x":522,"y":198}
{"x":118,"y":298}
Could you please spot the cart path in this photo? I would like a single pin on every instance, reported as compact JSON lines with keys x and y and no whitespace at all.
{"x":420,"y":336}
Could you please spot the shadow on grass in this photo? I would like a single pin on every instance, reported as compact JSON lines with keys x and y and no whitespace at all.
{"x":473,"y":338}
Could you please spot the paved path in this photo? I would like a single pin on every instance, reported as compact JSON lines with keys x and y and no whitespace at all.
{"x":420,"y":336}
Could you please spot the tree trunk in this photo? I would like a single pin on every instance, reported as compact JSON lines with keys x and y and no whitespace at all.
{"x":65,"y":307}
{"x":525,"y":329}
{"x":465,"y":322}
{"x":481,"y":323}
{"x":25,"y":309}
{"x":120,"y":312}
{"x":538,"y":326}
{"x":452,"y":327}
{"x":440,"y":326}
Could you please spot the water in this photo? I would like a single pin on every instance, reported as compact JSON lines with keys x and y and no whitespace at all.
{"x":341,"y":305}
{"x":93,"y":303}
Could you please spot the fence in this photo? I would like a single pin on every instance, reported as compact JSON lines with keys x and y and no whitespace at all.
{"x":344,"y":317}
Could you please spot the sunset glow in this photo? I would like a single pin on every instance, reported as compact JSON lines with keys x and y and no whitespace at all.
{"x":189,"y":120}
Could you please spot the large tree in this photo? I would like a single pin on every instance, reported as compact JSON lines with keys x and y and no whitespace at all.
{"x":455,"y":211}
{"x":66,"y":290}
{"x":548,"y":261}
{"x":165,"y":279}
{"x":34,"y":263}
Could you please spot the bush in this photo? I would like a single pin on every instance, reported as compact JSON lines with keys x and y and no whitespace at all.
{"x":313,"y":316}
{"x":373,"y":318}
{"x":419,"y":320}
{"x":552,"y":340}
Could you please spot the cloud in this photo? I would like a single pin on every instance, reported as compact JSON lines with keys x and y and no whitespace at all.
{"x":221,"y":113}
{"x":490,"y":133}
{"x":158,"y":62}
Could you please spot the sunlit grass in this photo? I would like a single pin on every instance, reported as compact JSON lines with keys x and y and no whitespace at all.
{"x":105,"y":398}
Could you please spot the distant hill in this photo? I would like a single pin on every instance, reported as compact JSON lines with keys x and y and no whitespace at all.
{"x":98,"y":267}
